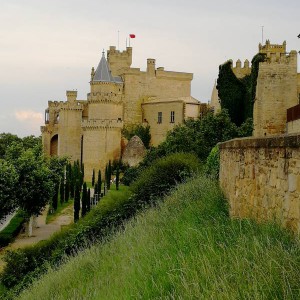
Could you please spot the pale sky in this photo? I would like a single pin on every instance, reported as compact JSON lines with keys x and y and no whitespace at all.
{"x":50,"y":46}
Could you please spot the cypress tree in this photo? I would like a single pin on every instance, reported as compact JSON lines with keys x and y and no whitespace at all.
{"x":81,"y":174}
{"x":99,"y":183}
{"x":67,"y":189}
{"x":62,"y":190}
{"x":72,"y":181}
{"x":105,"y":179}
{"x":88,"y":205}
{"x":108,"y":175}
{"x":109,"y":171}
{"x":55,"y":197}
{"x":84,"y":200}
{"x":76,"y":203}
{"x":93,"y":178}
{"x":117,"y":178}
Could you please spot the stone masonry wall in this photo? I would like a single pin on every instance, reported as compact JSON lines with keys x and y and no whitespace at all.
{"x":261,"y":178}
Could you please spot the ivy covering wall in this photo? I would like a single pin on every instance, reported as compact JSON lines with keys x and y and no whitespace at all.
{"x":238,"y":95}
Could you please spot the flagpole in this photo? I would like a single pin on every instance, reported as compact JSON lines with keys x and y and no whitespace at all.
{"x":129,"y":41}
{"x":118,"y":40}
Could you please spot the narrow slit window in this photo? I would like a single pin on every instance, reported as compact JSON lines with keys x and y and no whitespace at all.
{"x":172,"y":120}
{"x":159,"y":117}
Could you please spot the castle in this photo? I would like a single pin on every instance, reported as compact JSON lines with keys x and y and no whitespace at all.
{"x":90,"y":130}
{"x":276,"y":106}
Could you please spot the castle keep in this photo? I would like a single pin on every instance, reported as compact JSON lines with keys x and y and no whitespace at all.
{"x":90,"y":130}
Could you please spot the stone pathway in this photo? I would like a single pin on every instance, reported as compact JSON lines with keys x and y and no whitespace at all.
{"x":42,"y":232}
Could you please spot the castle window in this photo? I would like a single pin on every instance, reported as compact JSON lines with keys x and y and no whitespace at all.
{"x":172,"y":120}
{"x":47,"y":116}
{"x":159,"y":117}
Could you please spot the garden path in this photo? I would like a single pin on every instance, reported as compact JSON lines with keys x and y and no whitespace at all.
{"x":42,"y":232}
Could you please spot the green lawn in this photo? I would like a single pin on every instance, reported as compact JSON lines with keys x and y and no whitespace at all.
{"x":8,"y":234}
{"x":187,"y":248}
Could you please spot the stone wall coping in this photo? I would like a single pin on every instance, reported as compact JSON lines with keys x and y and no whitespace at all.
{"x":279,"y":141}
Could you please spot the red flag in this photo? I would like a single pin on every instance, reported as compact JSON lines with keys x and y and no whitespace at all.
{"x":132,"y":36}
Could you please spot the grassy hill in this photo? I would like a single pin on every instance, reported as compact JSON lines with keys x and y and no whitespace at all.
{"x":186,"y":248}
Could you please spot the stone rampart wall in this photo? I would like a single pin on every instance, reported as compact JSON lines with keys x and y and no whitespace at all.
{"x":261,"y":178}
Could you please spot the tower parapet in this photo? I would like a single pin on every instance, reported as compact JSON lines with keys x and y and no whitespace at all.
{"x":71,"y":96}
{"x":276,"y":90}
{"x":119,"y":61}
{"x":269,"y":48}
{"x":241,"y":71}
{"x":151,"y":67}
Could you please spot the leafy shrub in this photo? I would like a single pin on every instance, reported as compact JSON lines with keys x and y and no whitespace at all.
{"x":157,"y":180}
{"x":130,"y":175}
{"x":212,"y":166}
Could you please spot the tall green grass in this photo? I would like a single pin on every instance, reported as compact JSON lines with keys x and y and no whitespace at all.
{"x":186,"y":248}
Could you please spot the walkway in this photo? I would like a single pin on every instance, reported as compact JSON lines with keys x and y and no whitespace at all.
{"x":42,"y":232}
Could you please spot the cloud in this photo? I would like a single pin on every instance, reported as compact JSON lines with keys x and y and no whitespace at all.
{"x":28,"y":122}
{"x":29,"y":116}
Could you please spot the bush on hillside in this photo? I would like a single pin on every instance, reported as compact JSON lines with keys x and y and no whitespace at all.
{"x":130,"y":175}
{"x":158,"y":179}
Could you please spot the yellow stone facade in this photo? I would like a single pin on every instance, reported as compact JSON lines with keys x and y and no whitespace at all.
{"x":277,"y":90}
{"x":261,"y":178}
{"x":90,"y":130}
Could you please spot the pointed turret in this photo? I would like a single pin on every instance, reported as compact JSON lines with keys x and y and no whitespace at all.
{"x":102,"y":72}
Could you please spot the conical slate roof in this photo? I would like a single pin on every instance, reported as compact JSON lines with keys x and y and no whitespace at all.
{"x":102,"y":72}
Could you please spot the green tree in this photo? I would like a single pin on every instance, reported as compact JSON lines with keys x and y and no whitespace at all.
{"x":108,"y":175}
{"x":76,"y":202}
{"x":35,"y":185}
{"x":8,"y":185}
{"x":71,"y":179}
{"x":6,"y":140}
{"x":32,"y":141}
{"x":62,"y":190}
{"x":93,"y":178}
{"x":88,"y":205}
{"x":55,"y":197}
{"x":99,"y":184}
{"x":117,"y":178}
{"x":84,"y":200}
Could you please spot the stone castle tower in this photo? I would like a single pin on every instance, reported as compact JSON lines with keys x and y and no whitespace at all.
{"x":277,"y":89}
{"x":90,"y":130}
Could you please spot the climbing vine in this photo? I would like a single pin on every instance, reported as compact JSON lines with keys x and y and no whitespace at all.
{"x":238,"y":95}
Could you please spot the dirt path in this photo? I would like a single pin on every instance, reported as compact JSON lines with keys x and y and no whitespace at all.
{"x":42,"y":232}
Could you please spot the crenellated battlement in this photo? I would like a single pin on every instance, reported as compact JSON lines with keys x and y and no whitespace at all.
{"x":119,"y":60}
{"x":240,"y":70}
{"x":282,"y":58}
{"x":269,"y":48}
